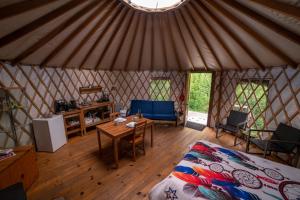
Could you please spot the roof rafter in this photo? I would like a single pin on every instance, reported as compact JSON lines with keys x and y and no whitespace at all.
{"x":92,"y":31}
{"x":216,"y":35}
{"x":13,"y":36}
{"x":74,"y":33}
{"x":201,"y":33}
{"x":55,"y":32}
{"x":194,"y":40}
{"x":128,"y":26}
{"x":234,"y":36}
{"x":258,"y":37}
{"x":263,"y":20}
{"x":128,"y":13}
{"x":163,"y":43}
{"x":142,"y":42}
{"x":152,"y":43}
{"x":184,"y":42}
{"x":138,"y":23}
{"x":173,"y":45}
{"x":20,"y":7}
{"x":285,"y":8}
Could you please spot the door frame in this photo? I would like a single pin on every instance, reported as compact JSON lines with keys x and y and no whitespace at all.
{"x":210,"y":98}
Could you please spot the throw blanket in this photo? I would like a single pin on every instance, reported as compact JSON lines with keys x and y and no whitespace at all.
{"x":210,"y":171}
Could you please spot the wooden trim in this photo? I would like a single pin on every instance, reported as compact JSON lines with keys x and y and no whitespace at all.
{"x":152,"y":43}
{"x":194,"y":40}
{"x":233,"y":34}
{"x":211,"y":98}
{"x":74,"y":33}
{"x":216,"y":35}
{"x":255,"y":35}
{"x":183,"y":41}
{"x":201,"y":33}
{"x":13,"y":36}
{"x":265,"y":21}
{"x":41,"y":42}
{"x":93,"y":30}
{"x":112,"y":36}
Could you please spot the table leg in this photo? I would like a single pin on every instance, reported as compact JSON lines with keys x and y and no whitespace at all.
{"x":116,"y":152}
{"x":99,"y":141}
{"x":152,"y":135}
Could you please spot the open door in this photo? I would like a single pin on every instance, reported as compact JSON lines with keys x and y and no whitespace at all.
{"x":199,"y":94}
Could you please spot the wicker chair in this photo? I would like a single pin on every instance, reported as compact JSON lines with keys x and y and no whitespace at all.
{"x":236,"y":120}
{"x":285,"y":139}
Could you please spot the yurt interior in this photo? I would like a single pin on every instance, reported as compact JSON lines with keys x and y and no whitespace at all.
{"x":149,"y":99}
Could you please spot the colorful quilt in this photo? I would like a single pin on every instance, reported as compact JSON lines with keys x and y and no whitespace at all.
{"x":210,"y":171}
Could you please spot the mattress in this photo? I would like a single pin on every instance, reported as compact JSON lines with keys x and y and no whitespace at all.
{"x":210,"y":171}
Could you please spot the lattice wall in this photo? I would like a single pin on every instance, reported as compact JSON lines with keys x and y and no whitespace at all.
{"x":44,"y":85}
{"x":283,"y":95}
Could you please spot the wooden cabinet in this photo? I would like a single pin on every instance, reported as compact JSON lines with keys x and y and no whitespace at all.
{"x":20,"y":168}
{"x":80,"y":120}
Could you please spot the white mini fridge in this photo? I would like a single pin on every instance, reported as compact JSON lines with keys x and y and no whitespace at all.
{"x":49,"y":133}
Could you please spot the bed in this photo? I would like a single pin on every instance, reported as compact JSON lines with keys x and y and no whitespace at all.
{"x":210,"y":171}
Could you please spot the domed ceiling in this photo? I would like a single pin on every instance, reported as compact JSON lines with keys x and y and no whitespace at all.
{"x":121,"y":35}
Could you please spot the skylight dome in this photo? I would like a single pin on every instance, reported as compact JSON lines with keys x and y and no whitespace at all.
{"x":154,"y":5}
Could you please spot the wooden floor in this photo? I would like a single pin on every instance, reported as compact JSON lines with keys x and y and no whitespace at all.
{"x":76,"y":172}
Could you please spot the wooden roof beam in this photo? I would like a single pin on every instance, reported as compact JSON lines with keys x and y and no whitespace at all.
{"x":267,"y":22}
{"x":126,"y":14}
{"x":217,"y":36}
{"x":233,"y":34}
{"x":13,"y":36}
{"x":163,"y":43}
{"x":183,"y":41}
{"x":284,"y":8}
{"x":258,"y":37}
{"x":194,"y":41}
{"x":21,"y":7}
{"x":141,"y":49}
{"x":128,"y":26}
{"x":201,"y":33}
{"x":93,"y":30}
{"x":152,"y":43}
{"x":55,"y":32}
{"x":75,"y":32}
{"x":173,"y":44}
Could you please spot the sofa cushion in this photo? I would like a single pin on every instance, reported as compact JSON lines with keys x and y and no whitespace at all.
{"x":163,"y":107}
{"x":148,"y":115}
{"x":134,"y":106}
{"x":168,"y":117}
{"x":146,"y":106}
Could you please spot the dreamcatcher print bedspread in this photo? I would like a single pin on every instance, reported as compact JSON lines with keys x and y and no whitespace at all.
{"x":210,"y":171}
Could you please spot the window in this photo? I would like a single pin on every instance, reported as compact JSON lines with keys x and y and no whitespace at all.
{"x":160,"y":89}
{"x":252,"y":98}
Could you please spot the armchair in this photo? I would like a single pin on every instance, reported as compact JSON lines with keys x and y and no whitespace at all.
{"x":285,"y":139}
{"x":236,"y":120}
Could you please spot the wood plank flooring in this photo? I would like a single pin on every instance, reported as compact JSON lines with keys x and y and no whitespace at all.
{"x":76,"y":172}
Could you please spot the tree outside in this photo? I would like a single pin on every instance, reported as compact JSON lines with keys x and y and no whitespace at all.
{"x":200,"y":85}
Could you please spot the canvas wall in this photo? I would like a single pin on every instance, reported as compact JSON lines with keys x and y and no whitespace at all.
{"x":283,"y":95}
{"x":44,"y":85}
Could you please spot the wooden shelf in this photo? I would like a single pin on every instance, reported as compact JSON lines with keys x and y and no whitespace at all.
{"x":87,"y":90}
{"x":73,"y":131}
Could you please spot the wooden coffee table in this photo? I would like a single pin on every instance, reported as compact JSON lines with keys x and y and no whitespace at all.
{"x":115,"y":132}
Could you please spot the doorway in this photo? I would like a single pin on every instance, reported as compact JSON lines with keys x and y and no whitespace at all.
{"x":198,"y":99}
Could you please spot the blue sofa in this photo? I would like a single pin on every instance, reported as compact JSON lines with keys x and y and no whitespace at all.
{"x":156,"y":110}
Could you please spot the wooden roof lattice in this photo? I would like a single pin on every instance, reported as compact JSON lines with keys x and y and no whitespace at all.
{"x":112,"y":35}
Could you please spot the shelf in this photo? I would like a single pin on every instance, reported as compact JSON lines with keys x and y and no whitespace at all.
{"x":88,"y":90}
{"x":98,"y":122}
{"x":73,"y":125}
{"x":73,"y":131}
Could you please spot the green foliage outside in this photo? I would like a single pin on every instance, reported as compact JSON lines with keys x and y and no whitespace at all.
{"x":257,"y":100}
{"x":200,"y":85}
{"x":160,"y":90}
